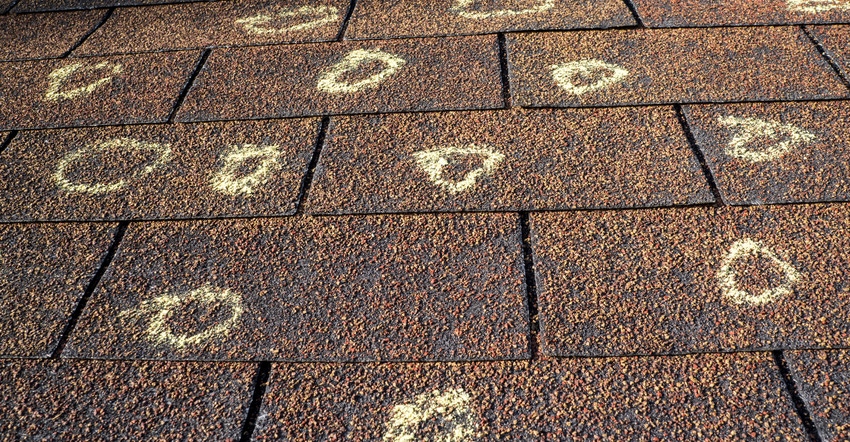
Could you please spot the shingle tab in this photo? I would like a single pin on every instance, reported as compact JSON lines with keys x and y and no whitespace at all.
{"x":157,"y":172}
{"x":415,"y":18}
{"x":349,"y":77}
{"x":506,"y":160}
{"x":198,"y":25}
{"x":62,"y":5}
{"x":675,"y":398}
{"x":31,"y":36}
{"x":312,"y":289}
{"x":674,"y":13}
{"x":85,"y":400}
{"x":597,"y":68}
{"x":777,"y":152}
{"x":836,"y":41}
{"x":823,"y":381}
{"x":692,"y":280}
{"x":92,"y":91}
{"x":44,"y":271}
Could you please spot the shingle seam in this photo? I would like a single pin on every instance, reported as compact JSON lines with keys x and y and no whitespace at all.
{"x":706,"y":170}
{"x":88,"y":34}
{"x":793,"y":391}
{"x":344,"y":26}
{"x":9,"y":9}
{"x":633,"y":9}
{"x":8,"y":140}
{"x":530,"y":286}
{"x":504,"y":69}
{"x":844,"y":76}
{"x":311,"y":167}
{"x":185,"y":91}
{"x":92,"y":285}
{"x":258,"y":392}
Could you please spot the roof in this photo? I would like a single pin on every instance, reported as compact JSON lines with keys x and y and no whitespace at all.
{"x":424,"y":220}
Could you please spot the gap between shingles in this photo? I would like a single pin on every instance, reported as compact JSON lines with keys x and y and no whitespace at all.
{"x":345,"y":20}
{"x":505,"y":73}
{"x":794,"y":392}
{"x":92,"y":285}
{"x":89,"y":34}
{"x":530,"y":287}
{"x":8,"y":140}
{"x":185,"y":91}
{"x":311,"y":167}
{"x":709,"y":176}
{"x":12,"y":6}
{"x":633,"y":9}
{"x":826,"y":55}
{"x":258,"y":392}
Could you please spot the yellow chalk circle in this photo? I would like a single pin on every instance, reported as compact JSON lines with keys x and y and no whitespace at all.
{"x":463,"y":9}
{"x":322,"y":15}
{"x":815,"y":6}
{"x":158,"y":311}
{"x":727,"y":277}
{"x":225,"y":179}
{"x":432,"y":162}
{"x":60,"y":76}
{"x":329,"y":81}
{"x":565,"y":75}
{"x":452,"y":406}
{"x":120,"y":145}
{"x":747,"y":130}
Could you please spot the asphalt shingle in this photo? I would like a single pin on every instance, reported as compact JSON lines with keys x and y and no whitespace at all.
{"x":727,"y":397}
{"x":62,"y":5}
{"x":823,"y":380}
{"x":312,"y":289}
{"x":416,"y":18}
{"x":767,"y":153}
{"x":44,"y":271}
{"x":350,"y":77}
{"x":86,"y":400}
{"x":666,"y":281}
{"x":92,"y":91}
{"x":674,"y":13}
{"x":506,"y":160}
{"x":157,"y":172}
{"x":198,"y":25}
{"x":32,"y":36}
{"x":619,"y":67}
{"x":836,"y":41}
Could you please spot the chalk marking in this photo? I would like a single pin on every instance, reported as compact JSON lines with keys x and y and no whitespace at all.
{"x":160,"y":309}
{"x":432,"y":163}
{"x":164,"y":151}
{"x":329,"y":81}
{"x":224,"y":179}
{"x":563,"y":75}
{"x":750,"y":129}
{"x":462,"y":8}
{"x":726,"y":276}
{"x":60,"y":76}
{"x":453,"y":406}
{"x":815,"y":6}
{"x":255,"y":24}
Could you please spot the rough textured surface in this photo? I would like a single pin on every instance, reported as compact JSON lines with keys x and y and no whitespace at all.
{"x":44,"y":270}
{"x":340,"y":289}
{"x":836,"y":41}
{"x":823,"y":379}
{"x":669,"y":281}
{"x":408,"y":18}
{"x":81,"y":400}
{"x":61,"y":5}
{"x":776,"y":153}
{"x":91,"y":91}
{"x":661,"y":13}
{"x":155,"y":172}
{"x":436,"y":74}
{"x":729,"y":397}
{"x":198,"y":25}
{"x":507,"y":160}
{"x":668,"y":66}
{"x":43,"y":35}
